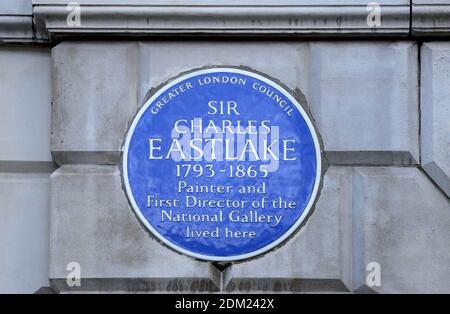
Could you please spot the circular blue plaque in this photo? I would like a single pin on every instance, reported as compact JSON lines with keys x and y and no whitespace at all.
{"x":221,"y":164}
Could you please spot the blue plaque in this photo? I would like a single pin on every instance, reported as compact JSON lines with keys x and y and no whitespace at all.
{"x":221,"y":164}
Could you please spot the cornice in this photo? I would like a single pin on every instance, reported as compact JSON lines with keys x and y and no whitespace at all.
{"x":431,"y":18}
{"x":16,"y":28}
{"x":46,"y":20}
{"x":217,"y":18}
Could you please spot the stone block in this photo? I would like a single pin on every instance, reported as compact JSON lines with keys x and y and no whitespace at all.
{"x":394,"y":217}
{"x":314,"y":259}
{"x":23,"y":232}
{"x":435,"y":113}
{"x":363,"y":96}
{"x":160,"y":61}
{"x":94,"y":98}
{"x":25,"y":98}
{"x":404,"y":227}
{"x":92,"y":224}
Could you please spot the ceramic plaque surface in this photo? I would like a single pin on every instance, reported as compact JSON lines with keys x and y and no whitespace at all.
{"x":221,"y":164}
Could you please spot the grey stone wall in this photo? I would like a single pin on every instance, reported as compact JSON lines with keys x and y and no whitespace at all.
{"x":382,"y":107}
{"x":378,"y":204}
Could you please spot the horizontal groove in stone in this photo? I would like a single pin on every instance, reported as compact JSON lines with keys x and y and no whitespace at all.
{"x":12,"y":166}
{"x":370,"y":158}
{"x":80,"y":157}
{"x":342,"y":158}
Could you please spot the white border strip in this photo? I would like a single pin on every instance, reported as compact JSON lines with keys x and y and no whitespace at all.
{"x":209,"y":257}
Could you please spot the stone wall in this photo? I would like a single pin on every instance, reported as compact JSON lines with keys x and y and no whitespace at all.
{"x":25,"y":164}
{"x":381,"y":106}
